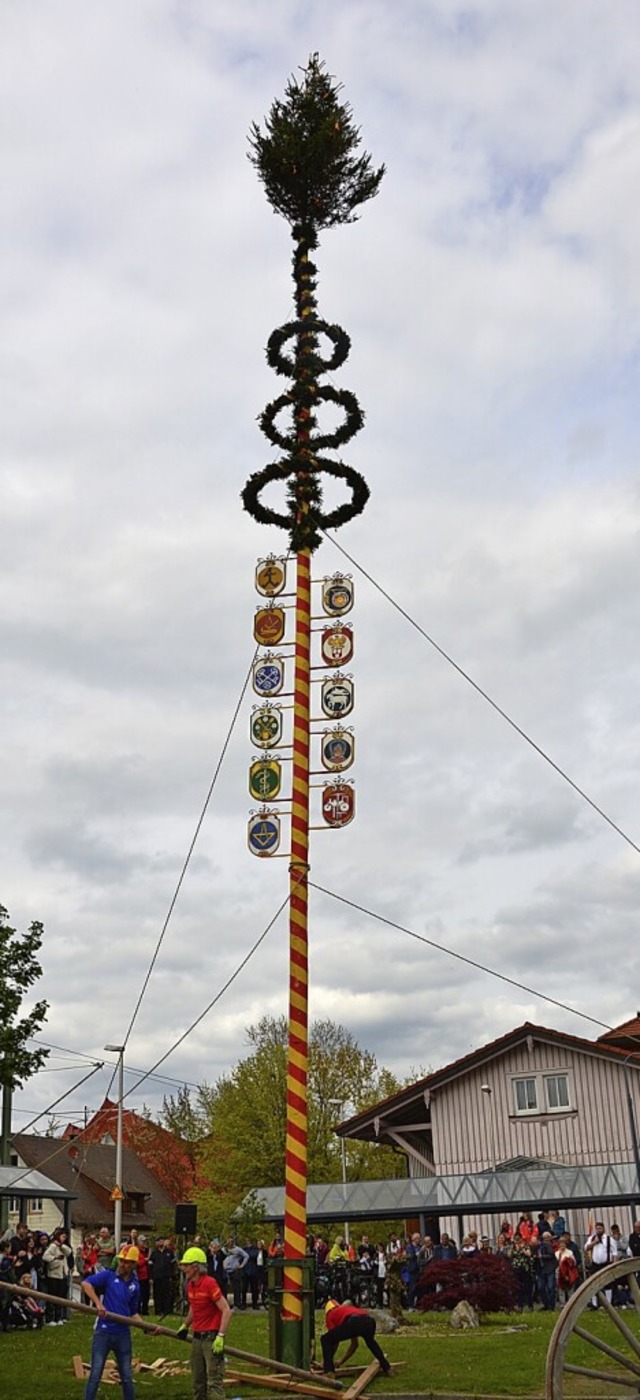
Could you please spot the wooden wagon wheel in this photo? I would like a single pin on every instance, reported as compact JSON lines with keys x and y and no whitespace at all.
{"x":625,"y":1373}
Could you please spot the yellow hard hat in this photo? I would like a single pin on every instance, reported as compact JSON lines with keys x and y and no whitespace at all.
{"x":193,"y":1255}
{"x":330,"y":1304}
{"x":130,"y":1252}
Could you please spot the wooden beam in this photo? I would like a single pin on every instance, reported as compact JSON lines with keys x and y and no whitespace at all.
{"x":362,"y":1382}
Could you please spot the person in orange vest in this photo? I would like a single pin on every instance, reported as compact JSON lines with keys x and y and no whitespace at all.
{"x":348,"y":1324}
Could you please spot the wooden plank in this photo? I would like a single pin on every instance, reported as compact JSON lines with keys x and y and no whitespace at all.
{"x":362,"y":1382}
{"x":78,"y":1368}
{"x":279,"y":1383}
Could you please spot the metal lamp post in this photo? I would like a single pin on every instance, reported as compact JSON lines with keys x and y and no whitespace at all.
{"x":340,"y":1105}
{"x":118,"y":1196}
{"x":488,"y":1091}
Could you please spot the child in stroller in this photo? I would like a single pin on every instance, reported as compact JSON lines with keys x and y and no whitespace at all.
{"x":24,"y":1311}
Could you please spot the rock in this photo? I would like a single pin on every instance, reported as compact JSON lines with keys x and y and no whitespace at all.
{"x":464,"y":1315}
{"x":385,"y":1323}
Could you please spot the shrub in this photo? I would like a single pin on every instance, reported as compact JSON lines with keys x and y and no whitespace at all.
{"x":487,"y":1281}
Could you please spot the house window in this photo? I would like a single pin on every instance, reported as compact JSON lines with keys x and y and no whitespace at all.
{"x":557,"y":1090}
{"x":526,"y":1095}
{"x":35,"y":1204}
{"x":14,"y":1205}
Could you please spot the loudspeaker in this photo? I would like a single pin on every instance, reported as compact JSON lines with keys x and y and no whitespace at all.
{"x":186,"y":1219}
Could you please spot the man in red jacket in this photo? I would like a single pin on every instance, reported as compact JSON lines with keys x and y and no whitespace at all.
{"x":347,"y":1324}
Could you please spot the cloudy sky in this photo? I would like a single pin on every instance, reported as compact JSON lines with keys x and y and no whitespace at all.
{"x":491,"y":292}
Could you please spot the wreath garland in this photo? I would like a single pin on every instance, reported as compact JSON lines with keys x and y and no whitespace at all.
{"x":301,"y":467}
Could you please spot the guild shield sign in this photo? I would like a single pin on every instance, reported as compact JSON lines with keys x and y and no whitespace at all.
{"x":271,"y":576}
{"x":263,"y":834}
{"x":268,"y":626}
{"x":337,"y":595}
{"x":337,"y":749}
{"x":268,"y":675}
{"x":265,"y":777}
{"x":336,"y":696}
{"x":266,"y":726}
{"x":337,"y":646}
{"x":338,"y":804}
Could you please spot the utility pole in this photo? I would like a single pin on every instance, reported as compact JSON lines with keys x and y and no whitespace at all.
{"x":306,"y":161}
{"x":117,"y":1194}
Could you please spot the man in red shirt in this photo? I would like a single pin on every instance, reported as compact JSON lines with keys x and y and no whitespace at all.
{"x":209,"y":1314}
{"x":347,"y":1324}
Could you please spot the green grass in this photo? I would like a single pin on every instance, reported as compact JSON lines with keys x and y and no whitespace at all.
{"x":491,"y":1360}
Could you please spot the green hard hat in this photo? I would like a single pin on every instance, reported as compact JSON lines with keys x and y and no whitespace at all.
{"x":194,"y":1256}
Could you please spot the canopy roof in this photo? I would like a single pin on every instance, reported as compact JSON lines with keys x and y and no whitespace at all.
{"x":478,"y":1192}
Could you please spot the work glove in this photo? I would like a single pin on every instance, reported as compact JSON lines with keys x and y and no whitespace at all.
{"x":218,"y":1346}
{"x":182,"y":1333}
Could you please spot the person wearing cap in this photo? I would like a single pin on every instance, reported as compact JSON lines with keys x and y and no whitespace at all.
{"x":346,"y":1323}
{"x":113,"y":1292}
{"x":209,"y":1315}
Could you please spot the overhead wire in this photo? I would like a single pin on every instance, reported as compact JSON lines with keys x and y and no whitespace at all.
{"x":187,"y":859}
{"x":460,"y":957}
{"x":484,"y":694}
{"x":220,"y":993}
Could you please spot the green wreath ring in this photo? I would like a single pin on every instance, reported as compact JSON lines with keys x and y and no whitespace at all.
{"x":308,"y":398}
{"x":305,"y":488}
{"x":311,"y":326}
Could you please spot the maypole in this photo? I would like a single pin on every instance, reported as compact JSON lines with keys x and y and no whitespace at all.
{"x":307,"y":163}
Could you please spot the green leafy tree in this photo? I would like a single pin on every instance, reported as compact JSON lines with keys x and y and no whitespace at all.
{"x":19,"y":969}
{"x":245,"y":1146}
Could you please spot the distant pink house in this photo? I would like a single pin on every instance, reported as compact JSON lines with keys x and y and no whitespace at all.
{"x":532,"y":1099}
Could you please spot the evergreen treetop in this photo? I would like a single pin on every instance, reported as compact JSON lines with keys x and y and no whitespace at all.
{"x":306,"y":158}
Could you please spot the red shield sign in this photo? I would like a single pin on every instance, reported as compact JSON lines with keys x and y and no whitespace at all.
{"x":338,"y":804}
{"x":337,"y":646}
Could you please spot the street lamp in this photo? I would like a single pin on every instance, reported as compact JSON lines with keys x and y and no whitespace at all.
{"x":340,"y":1105}
{"x":486,"y":1089}
{"x":118,"y":1192}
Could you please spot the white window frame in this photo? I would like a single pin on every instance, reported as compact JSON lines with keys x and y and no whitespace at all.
{"x":540,"y":1078}
{"x":525,"y":1079}
{"x":558,"y":1107}
{"x":35,"y":1205}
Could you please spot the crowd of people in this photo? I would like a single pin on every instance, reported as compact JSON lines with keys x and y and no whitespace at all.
{"x":548,"y":1264}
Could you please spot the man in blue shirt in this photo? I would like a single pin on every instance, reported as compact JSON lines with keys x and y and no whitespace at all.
{"x":111,"y":1292}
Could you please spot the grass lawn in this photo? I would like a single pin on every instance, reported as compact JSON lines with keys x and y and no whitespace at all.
{"x":492,"y":1360}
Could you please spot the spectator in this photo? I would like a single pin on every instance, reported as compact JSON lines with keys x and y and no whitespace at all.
{"x":251,"y":1278}
{"x":507,"y":1231}
{"x":56,"y":1260}
{"x":161,"y":1262}
{"x":215,"y":1264}
{"x":485,"y":1245}
{"x":621,"y":1241}
{"x":600,"y":1249}
{"x":88,"y":1261}
{"x":522,"y":1264}
{"x":634,"y":1240}
{"x":33,"y":1310}
{"x":469,"y":1247}
{"x":339,"y":1251}
{"x":380,"y":1270}
{"x":106,"y":1248}
{"x":234,"y":1265}
{"x":446,"y":1249}
{"x":142,"y":1271}
{"x":413,"y":1261}
{"x":526,"y":1228}
{"x":546,"y":1272}
{"x":568,"y":1270}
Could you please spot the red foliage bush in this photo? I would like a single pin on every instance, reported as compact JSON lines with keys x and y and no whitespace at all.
{"x":487,"y":1281}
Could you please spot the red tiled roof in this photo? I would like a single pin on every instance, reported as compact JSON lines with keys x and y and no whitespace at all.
{"x":490,"y":1051}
